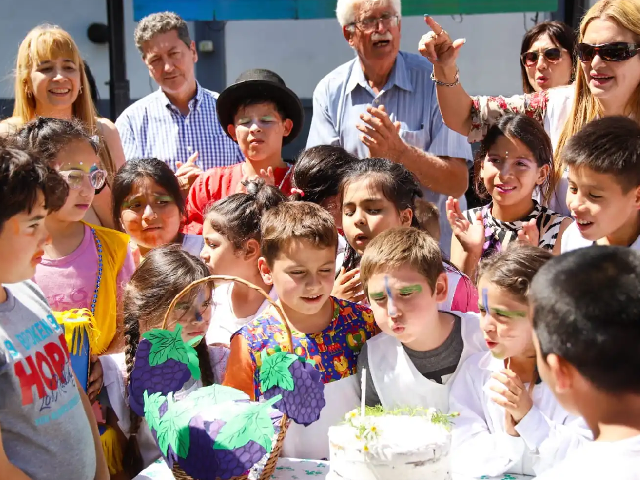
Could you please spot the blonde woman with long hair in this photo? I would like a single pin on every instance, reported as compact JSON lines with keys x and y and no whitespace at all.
{"x":607,"y":84}
{"x":51,"y":82}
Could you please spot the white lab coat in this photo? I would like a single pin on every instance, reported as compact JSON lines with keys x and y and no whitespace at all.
{"x":480,"y":444}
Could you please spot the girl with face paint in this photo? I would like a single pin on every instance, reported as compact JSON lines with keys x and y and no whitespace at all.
{"x":509,"y":421}
{"x":148,"y":205}
{"x":166,"y":271}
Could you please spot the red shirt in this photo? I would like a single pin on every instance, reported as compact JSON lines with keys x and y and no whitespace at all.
{"x":218,"y":183}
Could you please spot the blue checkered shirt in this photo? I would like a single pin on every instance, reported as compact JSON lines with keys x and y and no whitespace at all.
{"x":154,"y":127}
{"x":409,"y":97}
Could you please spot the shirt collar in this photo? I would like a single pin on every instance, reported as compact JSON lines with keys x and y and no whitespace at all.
{"x":194,"y":103}
{"x":399,"y":76}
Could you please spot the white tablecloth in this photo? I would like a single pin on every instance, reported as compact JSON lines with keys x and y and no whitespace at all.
{"x":287,"y":469}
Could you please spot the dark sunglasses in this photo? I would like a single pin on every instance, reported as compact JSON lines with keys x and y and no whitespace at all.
{"x":609,"y":52}
{"x":551,"y":54}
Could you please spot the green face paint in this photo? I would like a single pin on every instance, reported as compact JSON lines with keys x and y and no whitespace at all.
{"x":411,"y":289}
{"x":164,"y":198}
{"x":376,"y":296}
{"x":509,"y":313}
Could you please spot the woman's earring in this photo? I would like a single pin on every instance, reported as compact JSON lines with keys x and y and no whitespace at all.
{"x":28,"y":92}
{"x":80,"y":91}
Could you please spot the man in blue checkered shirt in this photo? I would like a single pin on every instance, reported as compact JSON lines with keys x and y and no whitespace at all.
{"x":178,"y":122}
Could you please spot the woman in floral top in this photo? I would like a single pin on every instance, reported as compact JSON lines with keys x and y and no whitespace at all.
{"x":513,"y":163}
{"x":607,"y":84}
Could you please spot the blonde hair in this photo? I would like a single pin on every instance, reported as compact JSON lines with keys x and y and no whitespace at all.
{"x":626,"y":13}
{"x":47,"y":42}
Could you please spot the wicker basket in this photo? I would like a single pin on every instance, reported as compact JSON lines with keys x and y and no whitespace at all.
{"x":270,"y":466}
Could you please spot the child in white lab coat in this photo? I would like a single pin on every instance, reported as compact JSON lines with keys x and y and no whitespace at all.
{"x":586,"y":315}
{"x":509,"y":422}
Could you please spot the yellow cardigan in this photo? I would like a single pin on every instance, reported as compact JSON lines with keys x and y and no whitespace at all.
{"x":102,"y":328}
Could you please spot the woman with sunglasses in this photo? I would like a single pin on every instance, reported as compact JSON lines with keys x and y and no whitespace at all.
{"x":607,"y":84}
{"x":547,"y":56}
{"x":83,"y":266}
{"x":51,"y":82}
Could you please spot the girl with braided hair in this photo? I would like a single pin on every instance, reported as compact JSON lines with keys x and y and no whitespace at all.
{"x":166,"y":271}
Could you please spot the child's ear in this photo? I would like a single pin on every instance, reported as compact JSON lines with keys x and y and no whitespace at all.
{"x":288,"y":126}
{"x":265,"y":271}
{"x":251,"y":250}
{"x":562,"y":373}
{"x":406,"y":216}
{"x":442,"y":287}
{"x":543,"y":174}
{"x":232,"y":131}
{"x":638,"y":197}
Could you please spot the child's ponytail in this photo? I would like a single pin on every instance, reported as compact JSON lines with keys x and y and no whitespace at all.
{"x":238,"y":216}
{"x":132,"y":457}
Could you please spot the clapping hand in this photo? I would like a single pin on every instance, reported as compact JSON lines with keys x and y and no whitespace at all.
{"x":529,"y":233}
{"x":267,"y":175}
{"x":470,"y":235}
{"x":348,"y":286}
{"x":513,"y":397}
{"x":381,"y":135}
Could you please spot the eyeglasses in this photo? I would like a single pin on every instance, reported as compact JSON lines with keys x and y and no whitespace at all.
{"x":609,"y":52}
{"x":553,"y":55}
{"x":75,"y":178}
{"x":369,"y":25}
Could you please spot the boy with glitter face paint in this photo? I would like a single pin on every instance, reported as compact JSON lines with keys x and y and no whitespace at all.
{"x":412,"y":363}
{"x":509,"y":421}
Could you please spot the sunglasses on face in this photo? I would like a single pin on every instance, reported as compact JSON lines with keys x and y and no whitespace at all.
{"x":75,"y":178}
{"x":609,"y":52}
{"x":552,"y":55}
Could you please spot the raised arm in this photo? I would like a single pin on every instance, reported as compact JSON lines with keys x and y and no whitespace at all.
{"x":469,"y":116}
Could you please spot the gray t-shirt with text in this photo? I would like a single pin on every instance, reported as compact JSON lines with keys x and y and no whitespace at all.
{"x":45,"y":430}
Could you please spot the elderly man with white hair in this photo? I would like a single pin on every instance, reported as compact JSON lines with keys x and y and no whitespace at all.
{"x":383,"y":104}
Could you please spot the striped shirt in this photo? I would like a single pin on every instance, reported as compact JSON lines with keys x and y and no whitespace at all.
{"x":409,"y":97}
{"x":154,"y":127}
{"x":499,"y":234}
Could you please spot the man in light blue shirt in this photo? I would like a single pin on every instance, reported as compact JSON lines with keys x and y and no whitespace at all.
{"x":383,"y":104}
{"x":177,"y":123}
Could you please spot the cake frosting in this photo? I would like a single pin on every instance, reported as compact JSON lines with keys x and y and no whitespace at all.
{"x":390,"y":447}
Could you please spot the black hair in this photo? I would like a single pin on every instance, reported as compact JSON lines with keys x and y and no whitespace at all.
{"x":610,"y":145}
{"x":257,"y":99}
{"x":528,"y":131}
{"x":165,"y":272}
{"x":397,"y":184}
{"x":46,"y":137}
{"x":22,"y":177}
{"x":561,"y":34}
{"x":513,"y":269}
{"x":93,"y":87}
{"x":238,"y":216}
{"x":318,"y":172}
{"x":137,"y":169}
{"x":586,"y":309}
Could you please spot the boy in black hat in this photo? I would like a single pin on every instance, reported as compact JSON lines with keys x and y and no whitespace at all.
{"x":261,"y":114}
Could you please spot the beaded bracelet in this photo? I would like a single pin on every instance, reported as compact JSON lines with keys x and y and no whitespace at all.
{"x":445,"y":84}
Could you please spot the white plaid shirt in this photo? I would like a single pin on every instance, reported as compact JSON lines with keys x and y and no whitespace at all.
{"x":154,"y":127}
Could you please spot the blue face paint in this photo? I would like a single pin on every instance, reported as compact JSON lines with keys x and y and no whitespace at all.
{"x":485,"y":299}
{"x":199,"y":317}
{"x":391,"y":306}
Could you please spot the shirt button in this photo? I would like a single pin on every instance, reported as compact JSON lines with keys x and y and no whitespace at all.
{"x":189,"y":149}
{"x":376,"y":101}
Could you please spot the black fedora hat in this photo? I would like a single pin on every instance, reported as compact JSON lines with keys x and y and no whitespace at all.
{"x":260,"y":84}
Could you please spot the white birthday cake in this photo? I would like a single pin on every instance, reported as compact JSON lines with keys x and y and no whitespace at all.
{"x":398,"y":445}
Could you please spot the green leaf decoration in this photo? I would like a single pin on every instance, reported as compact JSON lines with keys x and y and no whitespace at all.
{"x":274,"y":370}
{"x":195,"y":341}
{"x":152,"y":404}
{"x":166,"y":344}
{"x":169,"y":431}
{"x":214,"y":395}
{"x":252,"y":423}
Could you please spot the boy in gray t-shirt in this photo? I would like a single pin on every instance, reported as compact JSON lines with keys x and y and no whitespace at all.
{"x":47,"y":429}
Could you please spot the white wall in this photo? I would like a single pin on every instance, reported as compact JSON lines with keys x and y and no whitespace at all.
{"x":304,"y":51}
{"x":19,"y":16}
{"x":301,"y":51}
